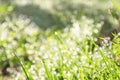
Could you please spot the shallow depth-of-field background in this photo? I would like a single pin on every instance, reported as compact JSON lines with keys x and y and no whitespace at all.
{"x":58,"y":40}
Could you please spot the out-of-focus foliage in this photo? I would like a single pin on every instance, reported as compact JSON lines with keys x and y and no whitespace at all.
{"x":55,"y":40}
{"x":115,"y":12}
{"x":116,"y":4}
{"x":5,"y":10}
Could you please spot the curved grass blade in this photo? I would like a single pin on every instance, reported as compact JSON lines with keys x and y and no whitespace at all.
{"x":102,"y":54}
{"x":116,"y":5}
{"x":23,"y":67}
{"x":49,"y":74}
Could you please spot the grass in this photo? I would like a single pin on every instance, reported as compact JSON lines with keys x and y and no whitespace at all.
{"x":57,"y":50}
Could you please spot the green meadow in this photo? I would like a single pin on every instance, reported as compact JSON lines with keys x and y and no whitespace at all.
{"x":59,"y":40}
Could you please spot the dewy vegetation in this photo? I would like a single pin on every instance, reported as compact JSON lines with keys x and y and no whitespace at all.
{"x":59,"y":40}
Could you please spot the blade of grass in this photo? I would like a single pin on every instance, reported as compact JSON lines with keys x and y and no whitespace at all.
{"x":111,"y":63}
{"x":49,"y":74}
{"x":116,"y":5}
{"x":102,"y":54}
{"x":23,"y":67}
{"x":57,"y":36}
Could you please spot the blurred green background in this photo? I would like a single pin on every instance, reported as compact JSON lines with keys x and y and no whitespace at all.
{"x":54,"y":33}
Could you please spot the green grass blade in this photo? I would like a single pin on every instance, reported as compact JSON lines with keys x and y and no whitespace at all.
{"x":116,"y":5}
{"x":103,"y":56}
{"x":49,"y":75}
{"x":23,"y":67}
